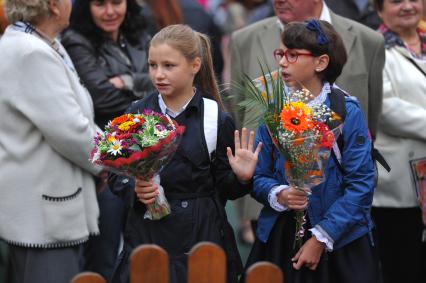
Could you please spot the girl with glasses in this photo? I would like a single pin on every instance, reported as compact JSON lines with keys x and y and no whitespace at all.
{"x":338,"y":244}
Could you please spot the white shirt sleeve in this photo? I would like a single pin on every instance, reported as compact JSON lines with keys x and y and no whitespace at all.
{"x":273,"y":200}
{"x":323,"y":237}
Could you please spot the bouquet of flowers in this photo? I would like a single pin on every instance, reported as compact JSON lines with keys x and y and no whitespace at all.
{"x":139,"y":145}
{"x":300,"y":131}
{"x":418,"y":170}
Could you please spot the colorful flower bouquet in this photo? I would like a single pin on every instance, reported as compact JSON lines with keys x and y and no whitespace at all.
{"x":139,"y":145}
{"x":300,"y":132}
{"x":418,"y":169}
{"x":305,"y":141}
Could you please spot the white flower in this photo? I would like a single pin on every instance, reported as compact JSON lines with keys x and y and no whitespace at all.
{"x":115,"y":147}
{"x":161,"y":134}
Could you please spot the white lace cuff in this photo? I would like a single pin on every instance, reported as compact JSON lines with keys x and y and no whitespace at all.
{"x":273,"y":200}
{"x":323,"y":237}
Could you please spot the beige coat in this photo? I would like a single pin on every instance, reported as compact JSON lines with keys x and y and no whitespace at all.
{"x":47,"y":190}
{"x":402,"y":129}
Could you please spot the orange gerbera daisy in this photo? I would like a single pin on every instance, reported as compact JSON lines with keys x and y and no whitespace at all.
{"x":120,"y":119}
{"x":295,"y":117}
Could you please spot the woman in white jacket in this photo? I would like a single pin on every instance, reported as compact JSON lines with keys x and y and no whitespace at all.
{"x":401,"y":139}
{"x":48,"y":202}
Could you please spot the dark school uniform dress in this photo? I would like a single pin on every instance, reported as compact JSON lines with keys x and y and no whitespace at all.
{"x":197,"y":189}
{"x":345,"y":262}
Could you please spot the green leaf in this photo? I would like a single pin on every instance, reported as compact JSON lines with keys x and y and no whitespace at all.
{"x":137,"y":137}
{"x":135,"y":147}
{"x":262,"y":99}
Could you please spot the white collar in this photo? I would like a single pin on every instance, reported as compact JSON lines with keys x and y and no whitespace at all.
{"x":325,"y":16}
{"x":165,"y":110}
{"x":320,"y":99}
{"x":325,"y":13}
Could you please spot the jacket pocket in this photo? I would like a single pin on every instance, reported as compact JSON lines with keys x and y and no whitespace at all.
{"x":64,"y":217}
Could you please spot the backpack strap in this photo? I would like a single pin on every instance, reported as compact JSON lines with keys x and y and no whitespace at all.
{"x":377,"y":156}
{"x":211,"y":119}
{"x":338,"y":105}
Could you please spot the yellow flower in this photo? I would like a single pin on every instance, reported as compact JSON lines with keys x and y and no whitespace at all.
{"x":298,"y":105}
{"x":111,"y":138}
{"x":335,"y":116}
{"x":126,"y":125}
{"x":264,"y":96}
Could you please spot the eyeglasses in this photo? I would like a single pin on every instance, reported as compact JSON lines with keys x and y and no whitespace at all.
{"x":290,"y":55}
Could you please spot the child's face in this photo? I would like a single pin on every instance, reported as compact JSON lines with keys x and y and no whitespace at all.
{"x":170,"y":72}
{"x":299,"y":67}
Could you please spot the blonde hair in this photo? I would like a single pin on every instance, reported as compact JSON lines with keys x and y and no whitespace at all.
{"x":26,"y":10}
{"x":192,"y":44}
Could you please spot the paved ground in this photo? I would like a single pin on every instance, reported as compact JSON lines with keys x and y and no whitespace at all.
{"x":232,"y":217}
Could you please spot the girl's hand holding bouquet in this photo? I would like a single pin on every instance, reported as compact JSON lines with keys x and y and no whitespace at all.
{"x":146,"y":191}
{"x":293,"y":199}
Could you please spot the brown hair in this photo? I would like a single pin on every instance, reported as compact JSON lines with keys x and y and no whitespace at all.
{"x":297,"y":36}
{"x":192,"y":44}
{"x":166,"y":12}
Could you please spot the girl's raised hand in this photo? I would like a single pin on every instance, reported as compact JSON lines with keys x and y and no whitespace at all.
{"x":146,"y":191}
{"x":244,"y":161}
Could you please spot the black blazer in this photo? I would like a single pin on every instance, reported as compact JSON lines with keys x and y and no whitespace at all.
{"x":97,"y":64}
{"x":189,"y":171}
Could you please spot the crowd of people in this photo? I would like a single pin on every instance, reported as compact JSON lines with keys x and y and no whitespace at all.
{"x":68,"y":67}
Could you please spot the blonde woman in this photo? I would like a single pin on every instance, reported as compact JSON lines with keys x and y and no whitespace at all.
{"x":48,"y":202}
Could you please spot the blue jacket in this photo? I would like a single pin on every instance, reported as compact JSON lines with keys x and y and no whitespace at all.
{"x":341,"y":204}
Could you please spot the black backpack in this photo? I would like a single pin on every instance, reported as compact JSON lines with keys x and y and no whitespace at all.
{"x":338,"y":105}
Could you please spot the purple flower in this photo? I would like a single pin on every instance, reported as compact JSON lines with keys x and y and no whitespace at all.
{"x":160,"y":127}
{"x":148,"y":112}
